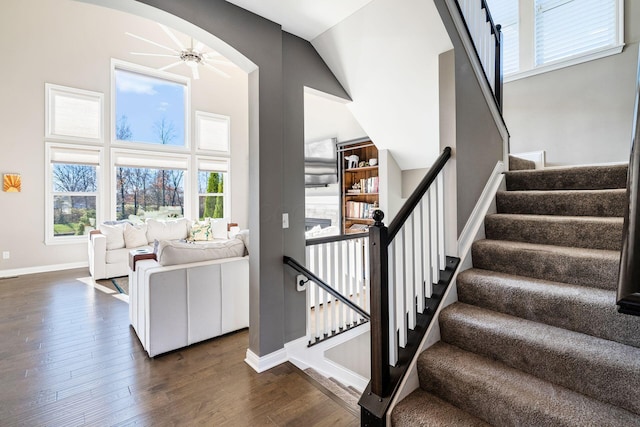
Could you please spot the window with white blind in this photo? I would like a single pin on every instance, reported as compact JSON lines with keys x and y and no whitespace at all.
{"x":212,"y":131}
{"x":73,"y":114}
{"x":73,"y":173}
{"x":551,"y":34}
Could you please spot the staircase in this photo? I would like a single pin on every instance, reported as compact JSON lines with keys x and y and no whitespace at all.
{"x":535,"y":338}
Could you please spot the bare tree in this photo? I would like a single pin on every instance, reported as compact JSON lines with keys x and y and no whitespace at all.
{"x":123,"y":130}
{"x":166,"y":132}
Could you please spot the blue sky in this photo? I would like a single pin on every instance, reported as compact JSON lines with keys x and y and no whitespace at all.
{"x":146,"y":101}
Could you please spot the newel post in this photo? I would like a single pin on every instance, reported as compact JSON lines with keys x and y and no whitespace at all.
{"x":379,"y":266}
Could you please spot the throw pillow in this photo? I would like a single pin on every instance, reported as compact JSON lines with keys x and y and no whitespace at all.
{"x":114,"y":235}
{"x":243,"y":235}
{"x":135,"y":235}
{"x":219,"y":228}
{"x":167,"y":230}
{"x":200,"y":231}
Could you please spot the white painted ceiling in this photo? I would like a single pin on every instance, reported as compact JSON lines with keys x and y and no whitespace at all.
{"x":304,"y":18}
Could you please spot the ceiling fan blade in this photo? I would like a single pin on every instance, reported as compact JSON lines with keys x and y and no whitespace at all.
{"x":152,"y":42}
{"x":172,"y":36}
{"x":222,"y":73}
{"x":199,"y":47}
{"x":211,"y":54}
{"x":196,"y":74}
{"x":166,"y":67}
{"x":164,"y":55}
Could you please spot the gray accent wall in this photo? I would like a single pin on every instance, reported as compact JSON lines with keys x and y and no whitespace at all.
{"x":580,"y":114}
{"x":479,"y":145}
{"x":285,"y":64}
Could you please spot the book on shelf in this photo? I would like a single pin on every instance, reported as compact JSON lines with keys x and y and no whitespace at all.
{"x":360,"y":210}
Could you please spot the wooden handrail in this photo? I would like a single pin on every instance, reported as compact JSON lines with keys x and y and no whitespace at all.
{"x":336,"y":238}
{"x":318,"y":281}
{"x":421,"y":189}
{"x":628,"y":298}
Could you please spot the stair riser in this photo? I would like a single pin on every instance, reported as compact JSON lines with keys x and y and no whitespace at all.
{"x":504,"y":396}
{"x":580,"y":178}
{"x":587,"y":270}
{"x":589,"y":311}
{"x":561,"y":232}
{"x":552,"y":354}
{"x":593,"y":203}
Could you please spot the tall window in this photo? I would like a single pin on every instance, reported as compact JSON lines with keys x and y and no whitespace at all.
{"x":72,"y":191}
{"x":212,"y":188}
{"x":543,"y":35}
{"x":143,"y":190}
{"x":150,"y":108}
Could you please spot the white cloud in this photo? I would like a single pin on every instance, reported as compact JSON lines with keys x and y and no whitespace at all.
{"x":135,"y":83}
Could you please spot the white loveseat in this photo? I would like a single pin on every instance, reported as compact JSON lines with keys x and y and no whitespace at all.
{"x":110,"y":244}
{"x":173,"y":306}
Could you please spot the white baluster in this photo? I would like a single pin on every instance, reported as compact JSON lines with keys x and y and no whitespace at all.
{"x":401,"y":289}
{"x":410,"y":273}
{"x":434,"y":234}
{"x":393,"y":321}
{"x":340,"y":282}
{"x":367,"y":281}
{"x":440,"y":186}
{"x":419,"y":257}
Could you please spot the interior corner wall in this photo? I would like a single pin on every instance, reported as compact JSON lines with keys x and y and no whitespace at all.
{"x":479,"y":145}
{"x":580,"y":114}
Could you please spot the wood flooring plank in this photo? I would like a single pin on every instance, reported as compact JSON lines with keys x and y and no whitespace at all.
{"x":69,"y":357}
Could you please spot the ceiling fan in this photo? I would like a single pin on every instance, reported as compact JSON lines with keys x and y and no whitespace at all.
{"x":192,"y":56}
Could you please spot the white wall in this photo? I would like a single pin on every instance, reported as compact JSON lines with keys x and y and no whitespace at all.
{"x":70,"y":43}
{"x":580,"y":114}
{"x":386,"y":57}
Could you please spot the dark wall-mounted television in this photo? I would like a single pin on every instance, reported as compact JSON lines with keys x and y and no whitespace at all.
{"x":320,"y":163}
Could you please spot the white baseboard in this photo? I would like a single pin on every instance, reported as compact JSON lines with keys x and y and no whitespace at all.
{"x":305,"y":357}
{"x":42,"y":269}
{"x":476,"y":219}
{"x":268,"y":361}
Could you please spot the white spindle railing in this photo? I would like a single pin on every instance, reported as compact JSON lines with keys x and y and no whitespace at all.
{"x":485,"y":36}
{"x":416,"y":256}
{"x":344,"y":265}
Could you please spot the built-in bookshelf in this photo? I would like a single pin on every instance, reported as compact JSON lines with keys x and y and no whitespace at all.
{"x":359,"y":185}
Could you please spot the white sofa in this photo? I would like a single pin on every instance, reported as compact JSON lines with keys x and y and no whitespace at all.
{"x":174,"y":306}
{"x":110,"y":244}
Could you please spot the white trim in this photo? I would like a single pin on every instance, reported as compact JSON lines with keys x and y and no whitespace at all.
{"x":538,"y":157}
{"x":476,"y":219}
{"x":305,"y":357}
{"x":575,"y":60}
{"x":42,"y":269}
{"x":263,"y":363}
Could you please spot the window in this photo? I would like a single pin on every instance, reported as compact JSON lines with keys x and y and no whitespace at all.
{"x":212,"y":131}
{"x":72,"y":191}
{"x":149,"y":184}
{"x":149,"y":106}
{"x":212,"y":188}
{"x":73,"y":114}
{"x":544,"y":35}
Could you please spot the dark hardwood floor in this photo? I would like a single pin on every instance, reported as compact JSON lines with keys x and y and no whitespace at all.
{"x":69,"y":357}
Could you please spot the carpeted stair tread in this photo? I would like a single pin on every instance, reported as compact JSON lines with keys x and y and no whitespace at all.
{"x":588,"y":267}
{"x":569,"y":178}
{"x":422,"y":409}
{"x":583,"y":232}
{"x":609,"y":202}
{"x":503,"y":396}
{"x":578,"y":308}
{"x":518,"y":164}
{"x":547,"y":352}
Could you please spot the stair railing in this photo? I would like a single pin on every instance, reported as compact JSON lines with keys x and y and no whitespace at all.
{"x":629,"y":278}
{"x":487,"y":41}
{"x":407,"y":261}
{"x":342,"y":305}
{"x":343,"y":262}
